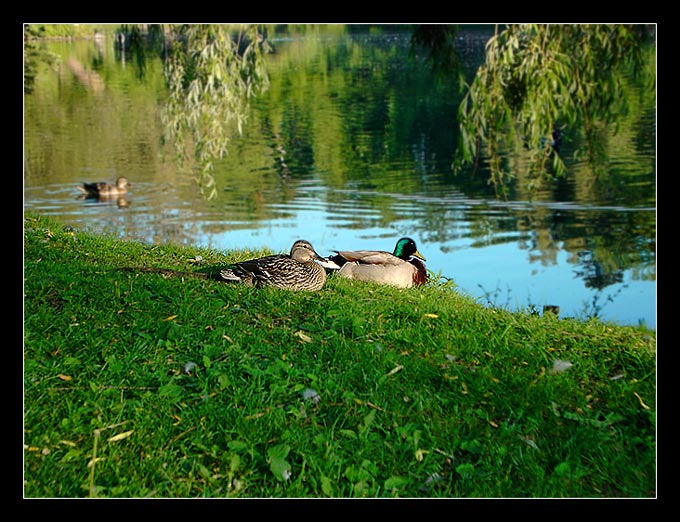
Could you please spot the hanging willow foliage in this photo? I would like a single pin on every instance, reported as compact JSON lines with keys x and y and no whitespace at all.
{"x":538,"y":80}
{"x":212,"y":72}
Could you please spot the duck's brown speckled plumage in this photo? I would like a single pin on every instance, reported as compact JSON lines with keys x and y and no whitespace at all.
{"x":103,"y":189}
{"x":295,"y":271}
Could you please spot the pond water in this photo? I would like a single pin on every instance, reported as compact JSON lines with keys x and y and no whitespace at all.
{"x":350,"y":147}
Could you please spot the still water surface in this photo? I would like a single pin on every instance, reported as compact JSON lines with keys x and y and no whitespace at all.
{"x":350,"y":147}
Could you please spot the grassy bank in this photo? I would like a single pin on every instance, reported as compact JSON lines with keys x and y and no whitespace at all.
{"x":141,"y":384}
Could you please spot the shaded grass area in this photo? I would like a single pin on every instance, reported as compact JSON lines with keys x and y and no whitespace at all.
{"x":140,"y":384}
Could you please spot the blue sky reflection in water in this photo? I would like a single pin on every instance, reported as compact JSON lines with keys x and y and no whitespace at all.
{"x":351,"y":147}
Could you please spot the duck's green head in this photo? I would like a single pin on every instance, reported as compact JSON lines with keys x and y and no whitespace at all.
{"x":406,"y":248}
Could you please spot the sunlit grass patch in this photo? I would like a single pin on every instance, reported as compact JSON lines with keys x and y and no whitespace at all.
{"x":142,"y":384}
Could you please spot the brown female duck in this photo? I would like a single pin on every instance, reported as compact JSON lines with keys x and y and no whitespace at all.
{"x":104,"y":190}
{"x":295,"y":271}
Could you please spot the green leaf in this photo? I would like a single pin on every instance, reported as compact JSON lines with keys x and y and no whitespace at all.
{"x":169,"y":331}
{"x":396,"y":482}
{"x":326,"y":486}
{"x":278,"y":464}
{"x":473,"y":446}
{"x":224,"y":381}
{"x":237,"y":446}
{"x":171,"y":391}
{"x":281,"y":469}
{"x":72,"y":455}
{"x":563,"y":469}
{"x":280,"y":451}
{"x":367,"y":421}
{"x":466,"y":470}
{"x":205,"y":472}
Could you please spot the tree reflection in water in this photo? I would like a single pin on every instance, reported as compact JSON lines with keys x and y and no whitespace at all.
{"x":353,"y":141}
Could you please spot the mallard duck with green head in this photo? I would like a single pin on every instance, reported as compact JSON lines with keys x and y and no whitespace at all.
{"x":298,"y":270}
{"x":403,"y":268}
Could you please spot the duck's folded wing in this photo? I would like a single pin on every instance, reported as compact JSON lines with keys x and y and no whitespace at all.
{"x":370,"y":257}
{"x":258,"y":268}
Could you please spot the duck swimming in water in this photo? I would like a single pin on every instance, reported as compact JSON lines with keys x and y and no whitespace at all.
{"x":103,"y":189}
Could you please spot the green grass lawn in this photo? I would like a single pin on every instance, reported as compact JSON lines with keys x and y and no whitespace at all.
{"x":139,"y":384}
